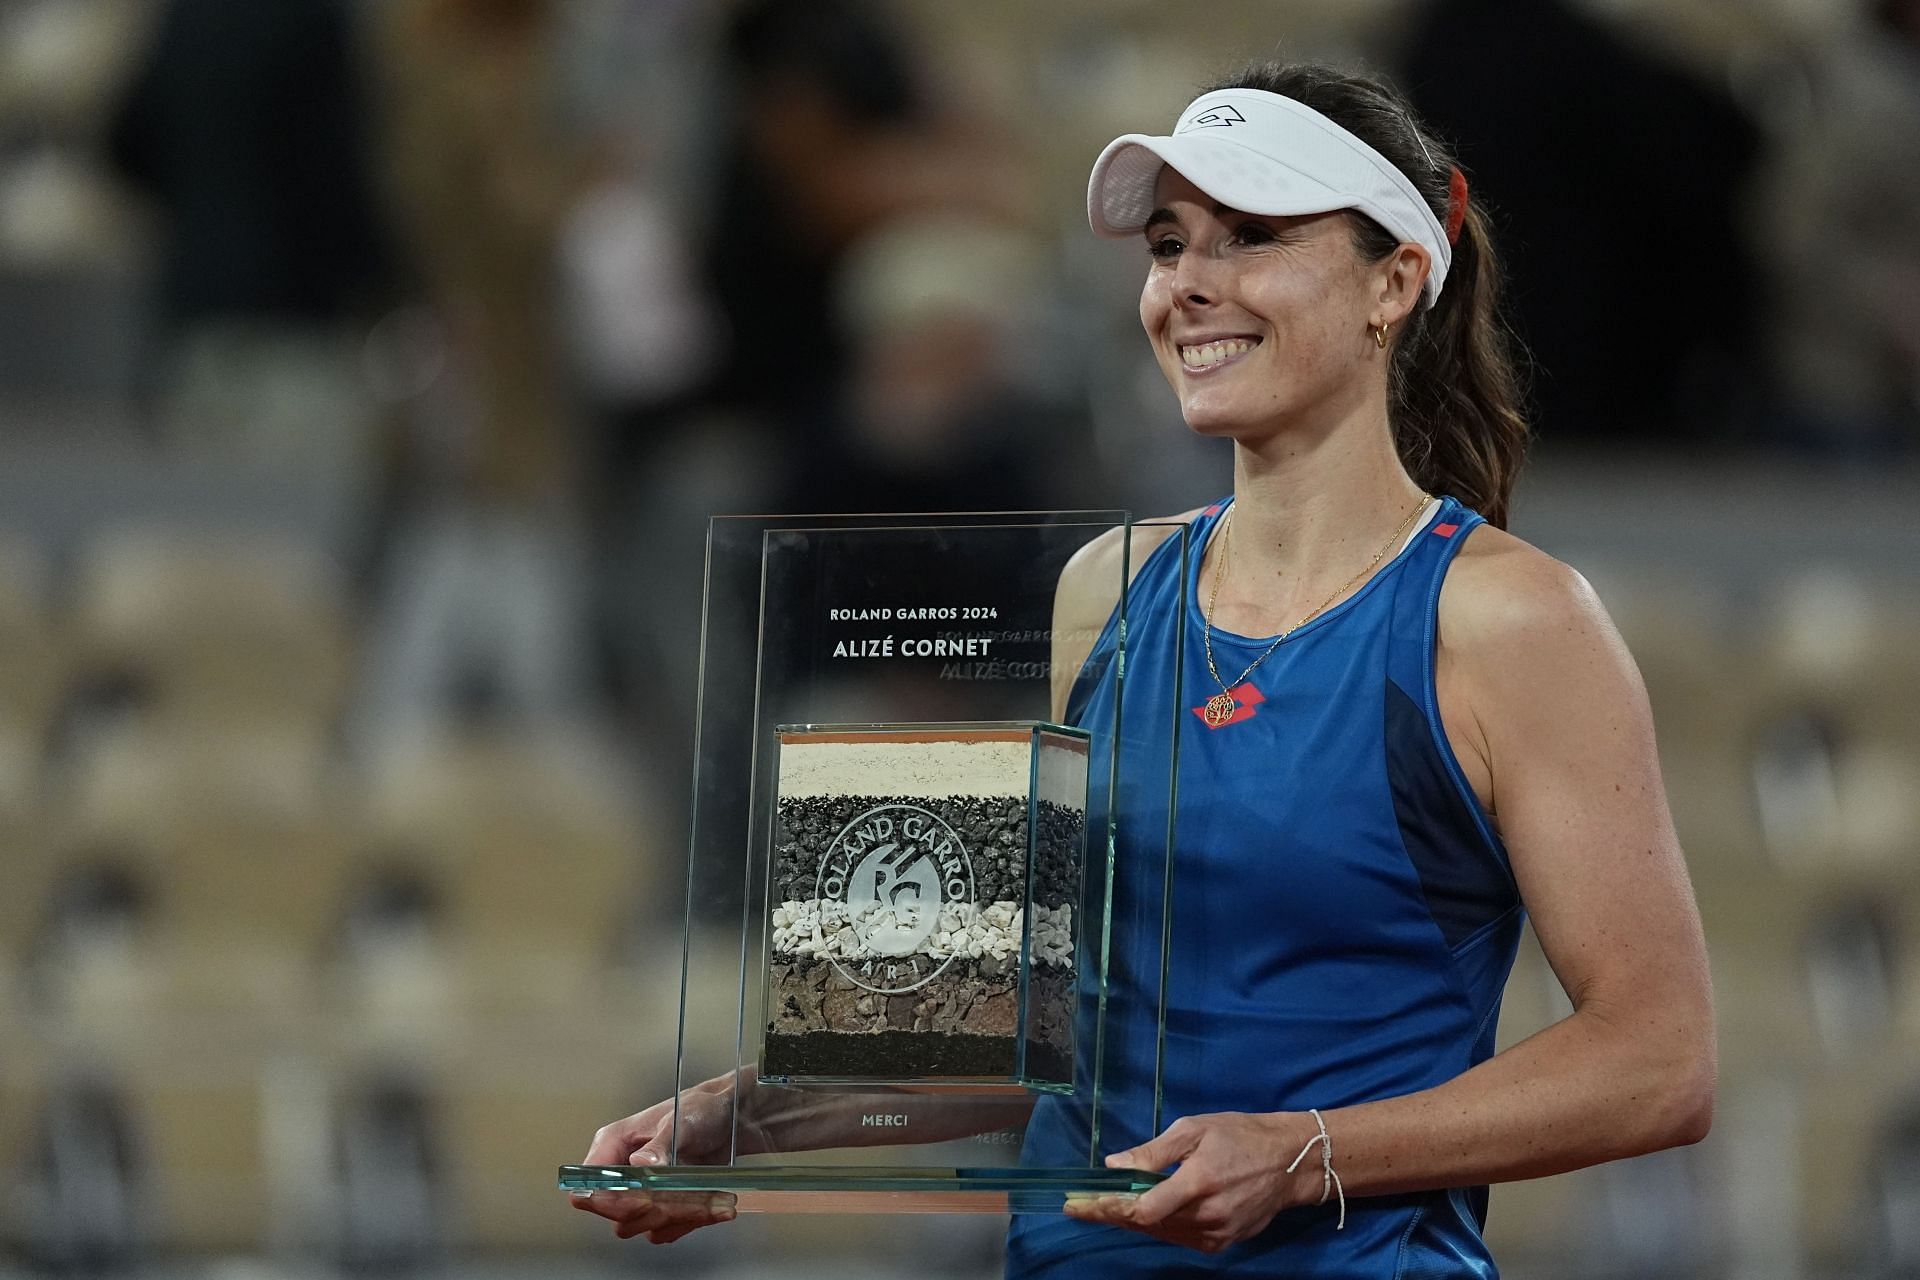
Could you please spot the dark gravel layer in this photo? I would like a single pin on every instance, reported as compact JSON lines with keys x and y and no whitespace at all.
{"x":904,"y":1056}
{"x":993,"y":829}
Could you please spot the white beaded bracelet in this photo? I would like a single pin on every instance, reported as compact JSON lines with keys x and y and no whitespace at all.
{"x":1329,"y":1180}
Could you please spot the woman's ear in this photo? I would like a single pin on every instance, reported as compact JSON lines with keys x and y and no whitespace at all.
{"x":1402,"y":274}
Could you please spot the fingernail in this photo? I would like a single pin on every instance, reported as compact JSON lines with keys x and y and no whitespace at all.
{"x":645,"y":1157}
{"x":582,"y":1195}
{"x":721,"y":1206}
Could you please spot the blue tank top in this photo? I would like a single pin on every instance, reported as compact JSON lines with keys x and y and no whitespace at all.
{"x":1343,"y":918}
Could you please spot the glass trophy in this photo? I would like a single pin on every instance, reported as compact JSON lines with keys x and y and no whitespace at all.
{"x":929,"y":875}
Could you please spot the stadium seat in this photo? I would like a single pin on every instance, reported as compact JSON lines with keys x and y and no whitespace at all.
{"x":247,"y":846}
{"x":1842,"y":671}
{"x":199,"y":1122}
{"x":32,"y":669}
{"x":31,"y":869}
{"x":505,"y":1132}
{"x":219,"y":627}
{"x":1756,"y":934}
{"x":1846,"y":1113}
{"x":534,"y":851}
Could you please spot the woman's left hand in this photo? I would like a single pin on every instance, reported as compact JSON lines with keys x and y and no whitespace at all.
{"x":1232,"y":1179}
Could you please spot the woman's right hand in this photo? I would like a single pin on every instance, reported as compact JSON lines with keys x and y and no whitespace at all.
{"x":646,"y":1137}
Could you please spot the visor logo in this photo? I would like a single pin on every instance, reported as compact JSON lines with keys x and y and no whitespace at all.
{"x":1223,"y":116}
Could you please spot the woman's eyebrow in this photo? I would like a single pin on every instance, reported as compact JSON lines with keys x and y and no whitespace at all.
{"x":1159,"y":216}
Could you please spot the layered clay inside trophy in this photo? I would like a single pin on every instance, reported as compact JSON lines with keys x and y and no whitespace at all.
{"x":924,"y":905}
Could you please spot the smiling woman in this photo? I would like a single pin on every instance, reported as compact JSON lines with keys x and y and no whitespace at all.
{"x":1414,"y":732}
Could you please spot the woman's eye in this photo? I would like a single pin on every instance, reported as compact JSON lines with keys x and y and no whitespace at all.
{"x":1164,"y":248}
{"x":1253,"y":233}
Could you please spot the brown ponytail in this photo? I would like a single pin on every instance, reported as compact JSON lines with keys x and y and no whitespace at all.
{"x":1454,"y":395}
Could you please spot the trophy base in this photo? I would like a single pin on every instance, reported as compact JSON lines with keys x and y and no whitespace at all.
{"x":867,"y":1190}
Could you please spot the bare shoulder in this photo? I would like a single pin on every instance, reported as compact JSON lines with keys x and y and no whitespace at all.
{"x":1503,"y":593}
{"x":1527,"y":653}
{"x":1095,"y":568}
{"x":1531,"y":675}
{"x":1089,"y":589}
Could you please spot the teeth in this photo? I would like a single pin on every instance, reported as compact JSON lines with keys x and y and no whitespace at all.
{"x":1208,"y":354}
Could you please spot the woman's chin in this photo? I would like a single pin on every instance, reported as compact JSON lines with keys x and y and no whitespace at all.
{"x":1215,"y":421}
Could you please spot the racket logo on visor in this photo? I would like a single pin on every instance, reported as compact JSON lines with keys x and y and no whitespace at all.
{"x":1221,"y":117}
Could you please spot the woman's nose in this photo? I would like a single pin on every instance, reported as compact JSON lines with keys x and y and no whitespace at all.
{"x":1196,"y":278}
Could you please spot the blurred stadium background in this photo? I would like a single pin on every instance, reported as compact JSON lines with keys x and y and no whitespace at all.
{"x":367,"y":369}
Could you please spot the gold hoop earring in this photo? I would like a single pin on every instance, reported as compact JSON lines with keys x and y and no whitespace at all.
{"x":1380,"y":337}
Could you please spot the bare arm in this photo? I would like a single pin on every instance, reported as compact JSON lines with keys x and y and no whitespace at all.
{"x":1569,"y":743}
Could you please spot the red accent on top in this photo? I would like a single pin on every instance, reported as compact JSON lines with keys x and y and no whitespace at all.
{"x":1215,"y":509}
{"x":1446,"y":530}
{"x":1246,"y":699}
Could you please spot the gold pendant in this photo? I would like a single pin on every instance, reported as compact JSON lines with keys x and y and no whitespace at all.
{"x":1219,"y":710}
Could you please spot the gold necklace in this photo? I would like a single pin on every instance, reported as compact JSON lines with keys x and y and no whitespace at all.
{"x":1220,"y":707}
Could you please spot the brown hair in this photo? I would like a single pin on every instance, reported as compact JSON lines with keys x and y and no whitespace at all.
{"x":1454,"y":391}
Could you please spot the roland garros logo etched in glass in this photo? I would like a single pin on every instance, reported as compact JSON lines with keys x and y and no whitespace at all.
{"x":895,"y":867}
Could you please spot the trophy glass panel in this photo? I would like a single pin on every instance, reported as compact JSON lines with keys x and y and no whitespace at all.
{"x":929,"y":870}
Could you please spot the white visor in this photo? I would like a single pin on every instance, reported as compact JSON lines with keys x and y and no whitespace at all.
{"x":1262,"y":153}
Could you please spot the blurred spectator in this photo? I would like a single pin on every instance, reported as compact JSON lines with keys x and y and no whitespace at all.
{"x":821,"y":129}
{"x":482,"y":610}
{"x":244,"y":125}
{"x":935,"y":419}
{"x":833,"y":130}
{"x":480,"y":621}
{"x":641,"y":333}
{"x":1840,"y":217}
{"x":1616,"y":181}
{"x":483,"y":177}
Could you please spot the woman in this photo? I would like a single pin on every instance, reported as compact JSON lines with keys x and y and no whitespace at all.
{"x":1413,"y":729}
